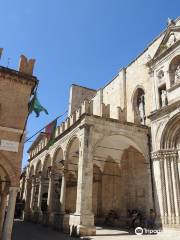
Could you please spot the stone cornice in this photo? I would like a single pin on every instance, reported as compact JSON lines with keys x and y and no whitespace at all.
{"x":17,"y":76}
{"x":14,"y":130}
{"x":173,"y":87}
{"x":81,"y":125}
{"x":164,"y":110}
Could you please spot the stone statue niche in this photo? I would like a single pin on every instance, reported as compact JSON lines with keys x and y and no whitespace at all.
{"x":177,"y":74}
{"x":163,"y":98}
{"x":141,"y":109}
{"x":171,"y":40}
{"x":174,"y":70}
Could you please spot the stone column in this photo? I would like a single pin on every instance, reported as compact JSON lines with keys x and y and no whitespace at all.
{"x":2,"y":211}
{"x":167,"y":186}
{"x":176,"y":185}
{"x":40,"y":193}
{"x":63,"y":219}
{"x":155,"y":98}
{"x":50,"y":197}
{"x":172,"y":206}
{"x":8,"y":224}
{"x":27,"y":197}
{"x":32,"y":193}
{"x":63,"y":194}
{"x":163,"y":190}
{"x":159,"y":189}
{"x":39,"y":212}
{"x":82,"y":221}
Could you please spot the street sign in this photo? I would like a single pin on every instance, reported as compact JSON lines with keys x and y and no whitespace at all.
{"x":10,"y":146}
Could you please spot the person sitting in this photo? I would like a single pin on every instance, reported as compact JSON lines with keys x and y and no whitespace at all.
{"x":110,"y":218}
{"x":150,"y":222}
{"x":134,"y":216}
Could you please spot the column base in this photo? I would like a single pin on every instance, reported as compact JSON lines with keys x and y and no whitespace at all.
{"x":35,"y":216}
{"x":51,"y":218}
{"x":65,"y":223}
{"x":82,"y":230}
{"x":26,"y":215}
{"x":82,"y":225}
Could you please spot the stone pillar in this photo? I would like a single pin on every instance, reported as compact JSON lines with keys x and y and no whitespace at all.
{"x":172,"y":206}
{"x":32,"y":193}
{"x":63,"y":194}
{"x":39,"y":212}
{"x":63,"y":219}
{"x":163,"y":200}
{"x":27,"y":197}
{"x":2,"y":211}
{"x":176,"y":185}
{"x":40,"y":193}
{"x":50,"y":197}
{"x":8,"y":224}
{"x":155,"y":98}
{"x":158,"y":189}
{"x":167,"y":186}
{"x":82,"y":221}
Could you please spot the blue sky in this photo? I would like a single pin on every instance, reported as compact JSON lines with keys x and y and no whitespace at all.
{"x":77,"y":41}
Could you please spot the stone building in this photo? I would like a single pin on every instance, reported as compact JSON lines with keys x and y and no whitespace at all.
{"x":16,"y":88}
{"x":118,"y":149}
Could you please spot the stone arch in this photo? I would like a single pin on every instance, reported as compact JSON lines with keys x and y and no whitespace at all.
{"x":114,"y":152}
{"x":31,"y":171}
{"x":138,"y":105}
{"x":46,"y":168}
{"x":71,"y":171}
{"x":174,"y":70}
{"x":129,"y":141}
{"x":134,"y":173}
{"x":38,"y":168}
{"x":57,"y":171}
{"x":4,"y":180}
{"x":97,"y":190}
{"x":8,"y":168}
{"x":171,"y":133}
{"x":58,"y":156}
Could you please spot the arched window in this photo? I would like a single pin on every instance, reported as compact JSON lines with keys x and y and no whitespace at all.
{"x":174,"y":70}
{"x":139,"y":106}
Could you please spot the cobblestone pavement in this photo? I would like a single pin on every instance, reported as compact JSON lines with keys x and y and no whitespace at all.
{"x":29,"y":231}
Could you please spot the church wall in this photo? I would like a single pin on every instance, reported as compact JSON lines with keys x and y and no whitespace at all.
{"x":97,"y":103}
{"x":77,"y":95}
{"x":111,"y":95}
{"x":137,"y":75}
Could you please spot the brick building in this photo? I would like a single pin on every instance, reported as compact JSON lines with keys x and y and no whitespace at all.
{"x":16,"y":88}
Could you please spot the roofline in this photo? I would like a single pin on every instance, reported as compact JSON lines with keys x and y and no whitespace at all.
{"x":76,"y":85}
{"x":35,"y":141}
{"x":177,"y":19}
{"x":18,"y":74}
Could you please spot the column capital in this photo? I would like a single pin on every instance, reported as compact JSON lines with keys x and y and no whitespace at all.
{"x":28,"y":179}
{"x":14,"y":189}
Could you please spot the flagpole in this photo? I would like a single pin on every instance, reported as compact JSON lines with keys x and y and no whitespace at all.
{"x":44,"y":127}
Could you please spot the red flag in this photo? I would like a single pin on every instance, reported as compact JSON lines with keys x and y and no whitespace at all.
{"x":50,"y":130}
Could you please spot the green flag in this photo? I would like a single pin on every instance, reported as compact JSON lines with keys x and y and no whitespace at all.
{"x":35,"y":106}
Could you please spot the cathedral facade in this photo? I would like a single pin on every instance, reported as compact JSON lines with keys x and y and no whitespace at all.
{"x":118,"y":149}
